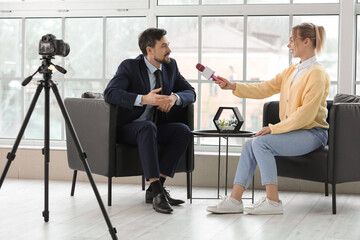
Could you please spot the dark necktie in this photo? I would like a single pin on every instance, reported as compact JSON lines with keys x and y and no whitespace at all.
{"x":158,"y":79}
{"x":158,"y":84}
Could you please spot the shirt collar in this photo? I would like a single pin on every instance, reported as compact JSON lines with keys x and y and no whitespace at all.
{"x":151,"y":67}
{"x":307,"y":63}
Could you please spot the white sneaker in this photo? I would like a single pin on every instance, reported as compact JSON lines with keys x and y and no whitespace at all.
{"x":227,"y":205}
{"x":265,"y":206}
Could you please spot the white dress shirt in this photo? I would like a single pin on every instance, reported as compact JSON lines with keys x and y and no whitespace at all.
{"x":148,"y":113}
{"x":303,"y":67}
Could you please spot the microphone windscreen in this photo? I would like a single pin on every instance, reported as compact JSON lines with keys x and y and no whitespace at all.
{"x":200,"y":67}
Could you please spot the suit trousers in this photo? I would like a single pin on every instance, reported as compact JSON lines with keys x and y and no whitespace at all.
{"x":174,"y":138}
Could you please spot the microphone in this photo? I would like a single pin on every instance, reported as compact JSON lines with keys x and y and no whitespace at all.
{"x":207,"y":72}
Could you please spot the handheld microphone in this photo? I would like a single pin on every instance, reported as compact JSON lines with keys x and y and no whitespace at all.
{"x":207,"y":72}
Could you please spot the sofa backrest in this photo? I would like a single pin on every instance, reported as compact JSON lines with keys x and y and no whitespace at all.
{"x":271,"y":112}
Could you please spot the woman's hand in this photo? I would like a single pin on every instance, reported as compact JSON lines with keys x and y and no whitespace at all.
{"x":264,"y":131}
{"x":225,"y":84}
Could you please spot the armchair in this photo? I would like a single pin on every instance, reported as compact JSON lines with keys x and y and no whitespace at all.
{"x":338,"y":162}
{"x":95,"y":124}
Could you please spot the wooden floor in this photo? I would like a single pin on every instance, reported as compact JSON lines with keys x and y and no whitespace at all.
{"x":307,"y":215}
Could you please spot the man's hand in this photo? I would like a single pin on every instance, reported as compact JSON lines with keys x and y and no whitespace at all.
{"x":264,"y":131}
{"x":164,"y":102}
{"x":154,"y":99}
{"x":169,"y":103}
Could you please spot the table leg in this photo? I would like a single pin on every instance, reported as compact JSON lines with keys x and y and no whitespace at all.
{"x":218,"y":193}
{"x":227,"y":164}
{"x":253,"y":183}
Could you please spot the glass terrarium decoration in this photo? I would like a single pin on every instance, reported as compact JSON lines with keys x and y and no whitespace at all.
{"x":228,"y":119}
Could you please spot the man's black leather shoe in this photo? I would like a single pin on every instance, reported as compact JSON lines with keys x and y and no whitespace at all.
{"x":172,"y":201}
{"x":160,"y":204}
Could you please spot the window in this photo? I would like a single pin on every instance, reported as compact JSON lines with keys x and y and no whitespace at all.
{"x":221,"y":50}
{"x":358,"y":57}
{"x":267,"y":2}
{"x":267,"y":55}
{"x":316,"y":1}
{"x":85,"y":36}
{"x":121,"y":41}
{"x":243,"y":46}
{"x":223,"y":47}
{"x":10,"y":73}
{"x":183,"y":33}
{"x":222,"y":1}
{"x":178,"y":2}
{"x":329,"y":57}
{"x":10,"y":56}
{"x":34,"y":30}
{"x":84,"y":64}
{"x":196,"y":2}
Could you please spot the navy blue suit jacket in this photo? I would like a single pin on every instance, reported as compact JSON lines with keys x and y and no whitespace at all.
{"x":132,"y":79}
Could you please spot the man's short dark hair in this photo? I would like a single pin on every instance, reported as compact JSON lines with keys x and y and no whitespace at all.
{"x":149,"y":38}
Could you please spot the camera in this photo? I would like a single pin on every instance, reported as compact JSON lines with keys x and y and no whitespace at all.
{"x":50,"y":46}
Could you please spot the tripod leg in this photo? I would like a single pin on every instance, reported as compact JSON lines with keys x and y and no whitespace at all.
{"x":11,"y":155}
{"x":46,"y":153}
{"x":83,"y":157}
{"x":73,"y":183}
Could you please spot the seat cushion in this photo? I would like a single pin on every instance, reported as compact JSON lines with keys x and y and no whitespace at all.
{"x":128,"y":161}
{"x":311,"y":166}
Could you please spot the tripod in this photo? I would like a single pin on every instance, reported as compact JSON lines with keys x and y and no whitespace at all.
{"x":46,"y":84}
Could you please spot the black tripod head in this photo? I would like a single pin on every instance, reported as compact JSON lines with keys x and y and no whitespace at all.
{"x":44,"y":69}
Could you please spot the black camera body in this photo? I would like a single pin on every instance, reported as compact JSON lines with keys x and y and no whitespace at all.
{"x":50,"y":46}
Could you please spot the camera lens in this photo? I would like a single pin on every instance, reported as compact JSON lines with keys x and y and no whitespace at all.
{"x":45,"y":38}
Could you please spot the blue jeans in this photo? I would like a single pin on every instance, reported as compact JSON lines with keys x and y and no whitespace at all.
{"x":261,"y":151}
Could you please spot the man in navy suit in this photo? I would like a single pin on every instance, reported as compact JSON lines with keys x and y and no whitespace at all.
{"x":144,"y":90}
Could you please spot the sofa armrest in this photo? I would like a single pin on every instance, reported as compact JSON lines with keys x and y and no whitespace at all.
{"x":94,"y":122}
{"x":182,"y":114}
{"x":185,"y":115}
{"x":190,"y":122}
{"x":344,"y":142}
{"x":189,"y":113}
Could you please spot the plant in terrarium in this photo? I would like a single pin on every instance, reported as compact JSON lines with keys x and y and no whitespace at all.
{"x":228,"y":124}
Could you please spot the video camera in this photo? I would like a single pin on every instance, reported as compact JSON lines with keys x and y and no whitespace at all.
{"x":50,"y":46}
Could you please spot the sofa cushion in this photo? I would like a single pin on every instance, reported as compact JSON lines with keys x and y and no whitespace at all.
{"x":346,"y":98}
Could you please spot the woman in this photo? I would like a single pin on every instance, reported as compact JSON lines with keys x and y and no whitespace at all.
{"x":303,"y":128}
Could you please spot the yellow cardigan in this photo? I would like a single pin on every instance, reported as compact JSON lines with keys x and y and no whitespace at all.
{"x":302,"y":104}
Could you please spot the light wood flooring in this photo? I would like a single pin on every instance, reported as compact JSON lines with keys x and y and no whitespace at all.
{"x":307,"y":215}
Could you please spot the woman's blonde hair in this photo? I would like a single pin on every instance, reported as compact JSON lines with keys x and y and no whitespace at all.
{"x":315,"y":33}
